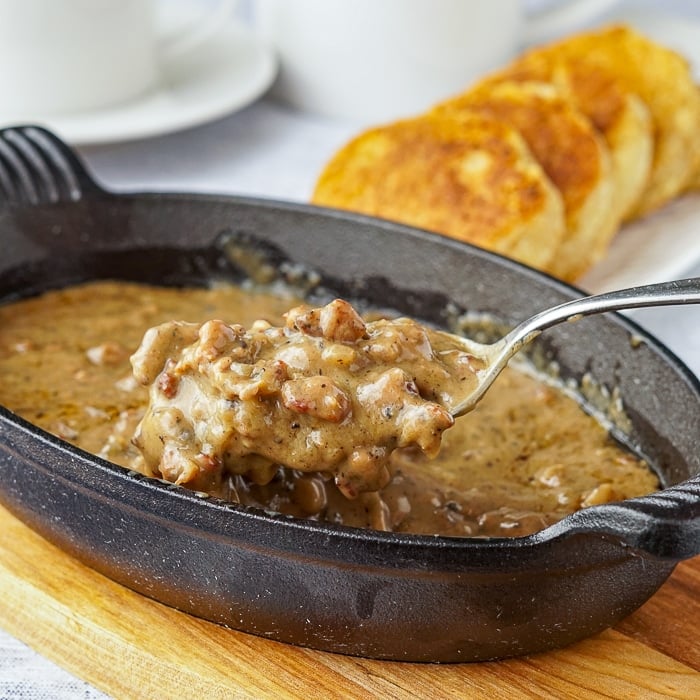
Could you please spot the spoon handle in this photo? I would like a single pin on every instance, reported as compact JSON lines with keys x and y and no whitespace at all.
{"x":686,"y":291}
{"x":498,"y":354}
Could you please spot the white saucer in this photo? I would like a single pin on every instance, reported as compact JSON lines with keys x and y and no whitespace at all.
{"x":220,"y":76}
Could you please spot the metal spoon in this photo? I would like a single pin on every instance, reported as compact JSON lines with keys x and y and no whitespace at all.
{"x":496,"y":355}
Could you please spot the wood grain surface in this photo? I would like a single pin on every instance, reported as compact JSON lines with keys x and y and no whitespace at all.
{"x":132,"y":647}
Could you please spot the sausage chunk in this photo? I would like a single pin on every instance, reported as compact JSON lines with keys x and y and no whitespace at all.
{"x":326,"y":393}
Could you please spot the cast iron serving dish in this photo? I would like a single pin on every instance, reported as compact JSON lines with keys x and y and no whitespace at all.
{"x":374,"y":594}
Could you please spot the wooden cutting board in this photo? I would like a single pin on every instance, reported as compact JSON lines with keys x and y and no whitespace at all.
{"x":132,"y":647}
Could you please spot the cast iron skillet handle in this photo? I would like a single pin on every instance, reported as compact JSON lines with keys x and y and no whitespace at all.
{"x":36,"y":167}
{"x":665,"y":525}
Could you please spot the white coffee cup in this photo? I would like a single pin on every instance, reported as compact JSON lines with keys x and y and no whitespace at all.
{"x":69,"y":56}
{"x":374,"y":60}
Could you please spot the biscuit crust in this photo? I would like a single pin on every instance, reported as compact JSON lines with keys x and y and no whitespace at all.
{"x":466,"y":176}
{"x":657,"y":76}
{"x":571,"y":153}
{"x":620,"y":116}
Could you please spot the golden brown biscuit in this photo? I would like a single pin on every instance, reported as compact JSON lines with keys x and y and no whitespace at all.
{"x":572,"y":154}
{"x":620,"y":116}
{"x":695,"y":182}
{"x":469,"y":177}
{"x":662,"y":79}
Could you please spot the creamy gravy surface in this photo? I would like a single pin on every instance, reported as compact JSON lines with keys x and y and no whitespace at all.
{"x":524,"y":458}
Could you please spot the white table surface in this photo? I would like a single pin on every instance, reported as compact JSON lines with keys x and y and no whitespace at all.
{"x":270,"y":151}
